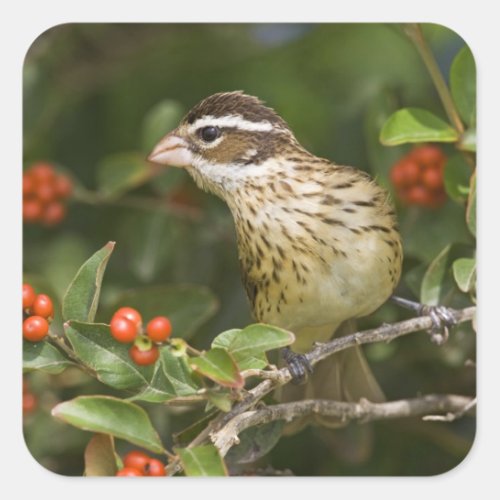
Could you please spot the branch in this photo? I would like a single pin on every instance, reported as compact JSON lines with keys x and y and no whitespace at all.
{"x":384,"y":333}
{"x":364,"y":411}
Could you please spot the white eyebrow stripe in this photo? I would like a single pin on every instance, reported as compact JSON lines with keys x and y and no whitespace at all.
{"x":231,"y":121}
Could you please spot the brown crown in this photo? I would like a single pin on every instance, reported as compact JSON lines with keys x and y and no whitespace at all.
{"x":234,"y":103}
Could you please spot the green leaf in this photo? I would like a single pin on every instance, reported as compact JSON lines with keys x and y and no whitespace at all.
{"x":457,"y":175}
{"x":432,"y":284}
{"x":464,"y":272}
{"x":44,"y":357}
{"x":255,"y":442}
{"x":109,"y":415}
{"x":122,"y":172}
{"x":160,"y":120}
{"x":178,"y":373}
{"x":202,"y":461}
{"x":99,"y":456}
{"x":468,"y":141}
{"x":97,"y":349}
{"x":82,"y":296}
{"x":470,"y":214}
{"x":218,"y":365}
{"x":148,"y":239}
{"x":187,"y":306}
{"x":159,"y":389}
{"x":186,"y":435}
{"x":415,"y":125}
{"x":221,"y":400}
{"x":463,"y":85}
{"x":248,"y":346}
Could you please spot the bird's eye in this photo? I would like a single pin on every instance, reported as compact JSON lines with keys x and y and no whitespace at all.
{"x":209,"y":134}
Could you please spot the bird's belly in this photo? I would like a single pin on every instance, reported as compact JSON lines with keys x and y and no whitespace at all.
{"x":344,"y":288}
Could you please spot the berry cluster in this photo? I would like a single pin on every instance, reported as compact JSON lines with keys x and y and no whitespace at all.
{"x":418,"y":177}
{"x":137,"y":463}
{"x":29,"y":399}
{"x":44,"y":194}
{"x":38,"y":311}
{"x":126,"y":327}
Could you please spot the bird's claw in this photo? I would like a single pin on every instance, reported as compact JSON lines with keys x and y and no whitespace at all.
{"x":298,"y":364}
{"x":442,"y":320}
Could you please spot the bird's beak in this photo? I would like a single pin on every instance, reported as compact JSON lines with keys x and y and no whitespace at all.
{"x":172,"y":150}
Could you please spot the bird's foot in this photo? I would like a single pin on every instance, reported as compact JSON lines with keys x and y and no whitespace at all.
{"x":442,"y":318}
{"x":298,"y":364}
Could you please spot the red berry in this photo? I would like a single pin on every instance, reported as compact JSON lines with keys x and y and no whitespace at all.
{"x":32,"y":210}
{"x":42,"y":172}
{"x":43,"y":306}
{"x":28,"y":184}
{"x":155,"y":468}
{"x":29,"y":402}
{"x":419,"y":195}
{"x":433,"y":178}
{"x":63,"y":186}
{"x":428,"y":155}
{"x":144,"y":358}
{"x":129,"y":471}
{"x":35,"y":328}
{"x":29,"y":296}
{"x":45,"y":191}
{"x":131,"y":314}
{"x":123,"y":329}
{"x":137,"y":460}
{"x":53,"y":213}
{"x":159,"y":329}
{"x":405,"y":173}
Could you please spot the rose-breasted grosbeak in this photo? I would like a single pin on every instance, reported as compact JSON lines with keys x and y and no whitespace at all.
{"x":318,"y":242}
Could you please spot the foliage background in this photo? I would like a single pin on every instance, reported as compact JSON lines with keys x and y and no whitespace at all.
{"x":89,"y":90}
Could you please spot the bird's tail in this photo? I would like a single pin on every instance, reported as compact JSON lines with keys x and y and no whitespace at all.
{"x":344,"y":376}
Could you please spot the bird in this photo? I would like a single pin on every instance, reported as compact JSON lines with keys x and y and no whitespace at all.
{"x":318,"y":243}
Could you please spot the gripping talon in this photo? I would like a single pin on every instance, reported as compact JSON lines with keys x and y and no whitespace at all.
{"x":298,"y":364}
{"x":442,"y":318}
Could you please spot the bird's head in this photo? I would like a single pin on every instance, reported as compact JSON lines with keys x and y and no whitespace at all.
{"x":225,"y":140}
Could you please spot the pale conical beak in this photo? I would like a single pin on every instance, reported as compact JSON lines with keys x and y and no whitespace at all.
{"x":172,"y":150}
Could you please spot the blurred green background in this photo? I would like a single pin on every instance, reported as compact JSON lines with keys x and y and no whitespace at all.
{"x":95,"y":94}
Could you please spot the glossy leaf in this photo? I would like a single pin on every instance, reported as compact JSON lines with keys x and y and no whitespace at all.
{"x":410,"y":125}
{"x":463,"y":85}
{"x":221,"y":400}
{"x":217,"y":365}
{"x":457,"y":175}
{"x":120,"y":173}
{"x":44,"y":357}
{"x":202,"y":461}
{"x":186,"y":435}
{"x":160,"y":120}
{"x":109,"y":415}
{"x":148,"y":239}
{"x":187,"y":306}
{"x":159,"y":389}
{"x":178,"y":373}
{"x":97,"y":349}
{"x":82,"y":296}
{"x":432,"y":283}
{"x":248,"y":346}
{"x":468,"y":141}
{"x":470,"y":214}
{"x":464,"y":272}
{"x":99,"y":456}
{"x":255,"y":442}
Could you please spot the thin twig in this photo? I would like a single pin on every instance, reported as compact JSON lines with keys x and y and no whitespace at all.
{"x":384,"y":333}
{"x":363,"y":411}
{"x":414,"y":32}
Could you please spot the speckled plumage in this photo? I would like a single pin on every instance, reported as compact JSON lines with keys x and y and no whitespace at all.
{"x":318,"y":242}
